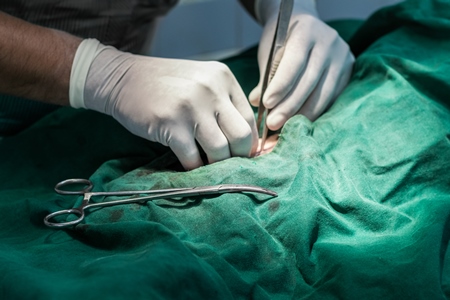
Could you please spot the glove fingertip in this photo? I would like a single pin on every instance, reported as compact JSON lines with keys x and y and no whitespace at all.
{"x":275,"y":121}
{"x":271,"y":98}
{"x":255,"y":96}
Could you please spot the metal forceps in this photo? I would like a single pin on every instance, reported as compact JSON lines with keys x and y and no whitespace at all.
{"x":275,"y":54}
{"x":79,"y":211}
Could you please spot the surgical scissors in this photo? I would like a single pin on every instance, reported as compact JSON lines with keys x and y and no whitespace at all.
{"x":87,"y":193}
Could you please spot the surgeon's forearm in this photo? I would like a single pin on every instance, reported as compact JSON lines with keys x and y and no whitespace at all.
{"x":35,"y":62}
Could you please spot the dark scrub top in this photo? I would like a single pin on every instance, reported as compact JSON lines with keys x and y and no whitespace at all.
{"x":123,"y":24}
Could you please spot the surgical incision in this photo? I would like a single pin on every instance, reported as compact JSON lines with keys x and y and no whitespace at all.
{"x":270,"y":143}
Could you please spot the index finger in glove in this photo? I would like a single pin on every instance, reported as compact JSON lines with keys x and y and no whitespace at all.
{"x":242,"y":138}
{"x":240,"y":103}
{"x":291,"y":67}
{"x":184,"y":147}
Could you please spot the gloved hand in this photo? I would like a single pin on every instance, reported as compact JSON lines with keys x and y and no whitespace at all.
{"x":315,"y":67}
{"x":173,"y":102}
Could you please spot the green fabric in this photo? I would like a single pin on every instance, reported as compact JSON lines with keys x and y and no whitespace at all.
{"x":363,"y":210}
{"x":17,"y":113}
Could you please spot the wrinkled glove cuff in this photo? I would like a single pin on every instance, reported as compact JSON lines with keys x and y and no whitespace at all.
{"x":86,"y":52}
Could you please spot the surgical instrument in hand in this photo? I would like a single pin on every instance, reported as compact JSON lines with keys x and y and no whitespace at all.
{"x":86,"y":191}
{"x":275,"y":54}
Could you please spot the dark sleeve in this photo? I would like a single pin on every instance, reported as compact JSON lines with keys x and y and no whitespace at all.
{"x":249,"y":6}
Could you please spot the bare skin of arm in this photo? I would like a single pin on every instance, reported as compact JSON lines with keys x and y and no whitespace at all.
{"x":35,"y":62}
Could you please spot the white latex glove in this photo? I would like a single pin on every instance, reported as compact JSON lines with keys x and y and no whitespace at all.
{"x":170,"y":101}
{"x":315,"y":67}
